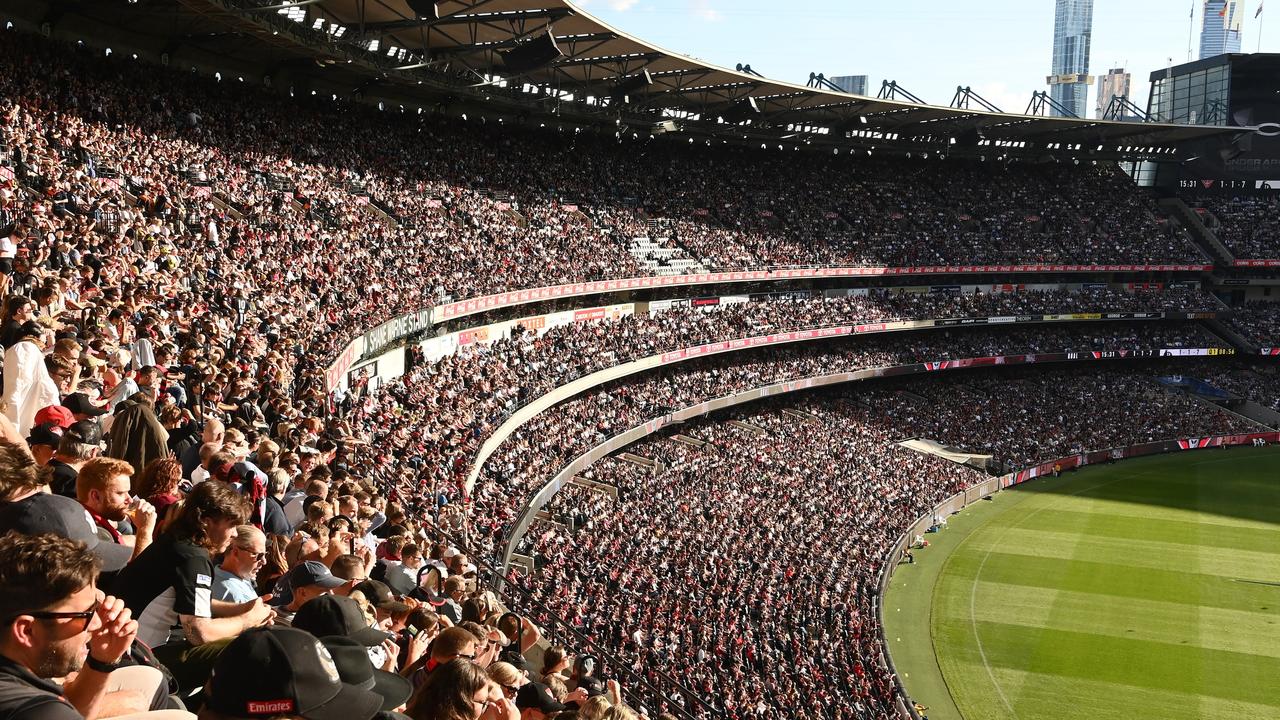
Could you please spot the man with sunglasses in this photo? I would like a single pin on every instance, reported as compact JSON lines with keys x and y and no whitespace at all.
{"x":233,"y":580}
{"x":58,"y":625}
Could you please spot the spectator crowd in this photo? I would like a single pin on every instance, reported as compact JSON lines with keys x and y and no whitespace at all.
{"x":1248,"y":225}
{"x":196,"y":525}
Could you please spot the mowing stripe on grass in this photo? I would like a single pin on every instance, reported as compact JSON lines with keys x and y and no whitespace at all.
{"x":1054,"y":697}
{"x":1148,"y":554}
{"x":1235,"y":630}
{"x":1173,"y":667}
{"x":1123,"y":581}
{"x":1143,"y":527}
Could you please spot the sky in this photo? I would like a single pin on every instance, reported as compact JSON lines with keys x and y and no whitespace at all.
{"x":1000,"y":48}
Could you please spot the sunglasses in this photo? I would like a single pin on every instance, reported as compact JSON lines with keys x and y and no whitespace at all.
{"x":85,"y":615}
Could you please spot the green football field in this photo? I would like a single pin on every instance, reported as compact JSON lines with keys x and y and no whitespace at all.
{"x":1145,"y":589}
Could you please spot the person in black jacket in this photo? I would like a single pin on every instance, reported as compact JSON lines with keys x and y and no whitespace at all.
{"x":274,"y":521}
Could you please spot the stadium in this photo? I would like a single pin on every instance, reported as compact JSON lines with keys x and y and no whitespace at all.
{"x":477,"y":359}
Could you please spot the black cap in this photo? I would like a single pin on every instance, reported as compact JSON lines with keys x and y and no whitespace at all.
{"x":593,"y":685}
{"x":88,"y":432}
{"x":45,"y":513}
{"x":30,"y":328}
{"x":313,"y":573}
{"x":380,"y":596}
{"x":79,"y":403}
{"x":45,"y":434}
{"x":534,"y":694}
{"x":354,"y":667}
{"x":515,"y":659}
{"x":336,"y":615}
{"x":268,"y":671}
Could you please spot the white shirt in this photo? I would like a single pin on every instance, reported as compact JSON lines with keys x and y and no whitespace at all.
{"x":27,"y":385}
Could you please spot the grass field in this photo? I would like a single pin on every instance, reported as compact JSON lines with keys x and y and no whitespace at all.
{"x":1149,"y":588}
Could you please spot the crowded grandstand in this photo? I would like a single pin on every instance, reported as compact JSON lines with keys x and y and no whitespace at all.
{"x":314,"y":409}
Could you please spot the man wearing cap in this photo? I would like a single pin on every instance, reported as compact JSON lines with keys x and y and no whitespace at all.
{"x":79,"y":444}
{"x":59,"y":624}
{"x":283,"y":673}
{"x":43,"y":442}
{"x":55,"y":415}
{"x":307,"y":581}
{"x":383,"y":600}
{"x":337,"y":615}
{"x":535,"y":701}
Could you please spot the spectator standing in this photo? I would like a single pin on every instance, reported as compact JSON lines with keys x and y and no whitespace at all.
{"x":27,"y":385}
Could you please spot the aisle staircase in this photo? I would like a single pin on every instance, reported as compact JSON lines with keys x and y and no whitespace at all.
{"x":1204,"y":238}
{"x":659,"y":259}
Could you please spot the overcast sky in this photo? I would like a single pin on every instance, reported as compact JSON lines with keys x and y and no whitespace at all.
{"x":999,"y":47}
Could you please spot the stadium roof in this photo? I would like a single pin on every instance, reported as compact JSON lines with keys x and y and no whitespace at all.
{"x":593,"y":66}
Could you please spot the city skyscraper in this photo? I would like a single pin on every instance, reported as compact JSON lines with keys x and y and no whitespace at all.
{"x":1115,"y":82}
{"x":1220,"y":28}
{"x":1072,"y":32}
{"x":853,"y":84}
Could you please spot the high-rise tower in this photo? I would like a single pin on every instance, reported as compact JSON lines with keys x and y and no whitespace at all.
{"x":1220,"y":29}
{"x":1072,"y":30}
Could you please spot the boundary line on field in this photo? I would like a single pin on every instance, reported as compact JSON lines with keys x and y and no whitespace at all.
{"x":977,"y":577}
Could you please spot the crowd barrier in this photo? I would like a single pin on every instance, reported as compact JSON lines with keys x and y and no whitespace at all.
{"x":627,"y":437}
{"x":961,"y":500}
{"x":450,"y":311}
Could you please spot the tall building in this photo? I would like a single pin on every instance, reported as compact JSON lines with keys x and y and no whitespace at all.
{"x":1115,"y":82}
{"x":853,"y":84}
{"x":1072,"y":31}
{"x":1220,"y":29}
